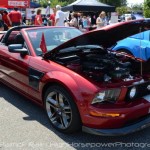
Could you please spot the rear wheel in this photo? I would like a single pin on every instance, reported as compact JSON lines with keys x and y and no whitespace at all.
{"x":62,"y":110}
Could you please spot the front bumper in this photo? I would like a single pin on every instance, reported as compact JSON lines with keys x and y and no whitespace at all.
{"x":144,"y":123}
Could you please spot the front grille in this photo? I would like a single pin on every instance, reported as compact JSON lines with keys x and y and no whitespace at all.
{"x":142,"y":90}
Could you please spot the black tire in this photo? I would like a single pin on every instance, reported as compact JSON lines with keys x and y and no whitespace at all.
{"x":57,"y":113}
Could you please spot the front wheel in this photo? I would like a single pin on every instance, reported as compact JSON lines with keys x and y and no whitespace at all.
{"x":62,"y":110}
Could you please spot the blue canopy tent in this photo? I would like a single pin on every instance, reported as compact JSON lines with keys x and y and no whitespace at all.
{"x":34,"y":5}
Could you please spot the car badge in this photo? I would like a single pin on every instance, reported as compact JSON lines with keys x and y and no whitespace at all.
{"x":148,"y":87}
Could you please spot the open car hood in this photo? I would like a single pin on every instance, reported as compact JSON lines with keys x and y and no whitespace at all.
{"x":107,"y":36}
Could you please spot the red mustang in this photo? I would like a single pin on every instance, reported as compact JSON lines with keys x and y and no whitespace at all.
{"x":76,"y":77}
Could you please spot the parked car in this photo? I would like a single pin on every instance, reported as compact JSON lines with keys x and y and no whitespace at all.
{"x":138,"y":15}
{"x":124,"y":16}
{"x":77,"y":79}
{"x":137,"y":45}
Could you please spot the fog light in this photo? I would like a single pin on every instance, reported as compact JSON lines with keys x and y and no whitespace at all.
{"x":132,"y":93}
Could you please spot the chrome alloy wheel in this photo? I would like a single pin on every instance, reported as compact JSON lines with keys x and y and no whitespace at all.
{"x":58,"y":110}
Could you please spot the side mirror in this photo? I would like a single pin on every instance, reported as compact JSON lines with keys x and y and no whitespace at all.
{"x":17,"y":48}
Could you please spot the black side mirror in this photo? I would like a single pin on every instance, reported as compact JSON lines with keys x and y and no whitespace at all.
{"x":17,"y":48}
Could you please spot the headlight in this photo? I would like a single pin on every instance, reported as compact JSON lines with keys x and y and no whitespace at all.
{"x":107,"y":95}
{"x":132,"y":93}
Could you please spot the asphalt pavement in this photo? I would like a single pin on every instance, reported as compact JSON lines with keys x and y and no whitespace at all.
{"x":24,"y":126}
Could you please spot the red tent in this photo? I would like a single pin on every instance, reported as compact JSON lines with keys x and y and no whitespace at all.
{"x":15,"y":3}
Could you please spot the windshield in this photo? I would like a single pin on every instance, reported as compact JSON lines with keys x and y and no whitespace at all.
{"x":53,"y":37}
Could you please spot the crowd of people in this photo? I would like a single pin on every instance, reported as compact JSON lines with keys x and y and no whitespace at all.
{"x":60,"y":18}
{"x":57,"y":18}
{"x":74,"y":19}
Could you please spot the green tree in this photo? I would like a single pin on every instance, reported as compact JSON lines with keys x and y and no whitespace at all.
{"x":116,"y":3}
{"x":137,"y":7}
{"x":121,"y":10}
{"x":147,"y":8}
{"x":68,"y":1}
{"x":52,"y":3}
{"x":58,"y":2}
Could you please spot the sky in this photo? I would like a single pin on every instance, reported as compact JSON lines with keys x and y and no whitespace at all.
{"x":132,"y":2}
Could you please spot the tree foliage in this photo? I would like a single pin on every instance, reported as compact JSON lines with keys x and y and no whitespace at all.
{"x":52,"y":3}
{"x":147,"y":8}
{"x":116,"y":3}
{"x":121,"y":10}
{"x":137,"y":7}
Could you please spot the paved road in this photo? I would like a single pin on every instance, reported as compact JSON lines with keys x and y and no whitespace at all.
{"x":24,"y":126}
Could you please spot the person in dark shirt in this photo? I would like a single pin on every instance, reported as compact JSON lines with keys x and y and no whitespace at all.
{"x":33,"y":17}
{"x":44,"y":19}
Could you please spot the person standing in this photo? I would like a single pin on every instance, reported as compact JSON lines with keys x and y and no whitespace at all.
{"x":80,"y":20}
{"x":60,"y":16}
{"x":38,"y":18}
{"x":5,"y":18}
{"x":73,"y":22}
{"x":52,"y":17}
{"x":85,"y":22}
{"x":14,"y":17}
{"x":32,"y":17}
{"x":101,"y":21}
{"x":44,"y":20}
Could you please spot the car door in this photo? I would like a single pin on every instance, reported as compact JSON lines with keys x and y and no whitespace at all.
{"x":142,"y":45}
{"x":147,"y":43}
{"x":14,"y":68}
{"x":137,"y":49}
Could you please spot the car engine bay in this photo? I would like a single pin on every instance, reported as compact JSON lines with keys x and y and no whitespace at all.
{"x":98,"y":64}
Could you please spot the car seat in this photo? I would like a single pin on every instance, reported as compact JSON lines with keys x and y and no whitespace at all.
{"x":19,"y":39}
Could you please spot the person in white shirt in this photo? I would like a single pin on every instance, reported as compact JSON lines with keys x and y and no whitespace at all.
{"x":101,"y":21}
{"x":60,"y":16}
